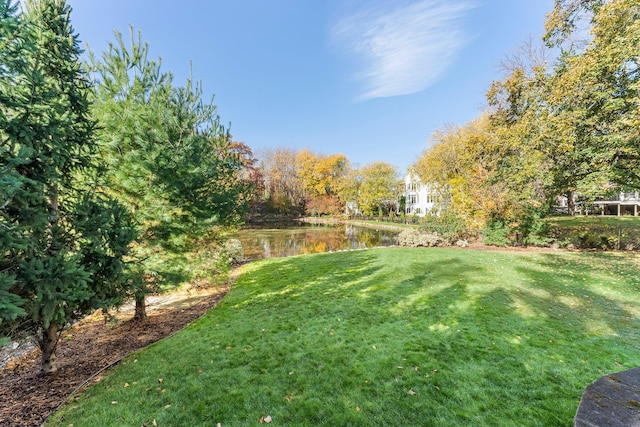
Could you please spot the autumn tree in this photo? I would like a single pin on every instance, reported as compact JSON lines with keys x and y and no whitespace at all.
{"x":600,"y":83}
{"x":570,"y":126}
{"x":348,"y":188}
{"x":461,"y":165}
{"x":517,"y":103}
{"x":378,"y":188}
{"x":283,"y":193}
{"x":63,"y":239}
{"x":319,"y":175}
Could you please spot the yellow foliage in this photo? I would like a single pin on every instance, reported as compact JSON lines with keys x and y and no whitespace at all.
{"x":318,"y":173}
{"x":461,"y":159}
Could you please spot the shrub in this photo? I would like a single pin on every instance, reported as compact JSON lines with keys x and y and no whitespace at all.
{"x":415,"y":238}
{"x":447,"y":225}
{"x":233,"y":251}
{"x":535,"y":231}
{"x":496,"y":234}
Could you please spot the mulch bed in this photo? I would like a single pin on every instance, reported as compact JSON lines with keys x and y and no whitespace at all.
{"x":27,"y":399}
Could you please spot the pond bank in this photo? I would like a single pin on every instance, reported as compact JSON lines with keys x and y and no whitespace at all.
{"x":302,"y":237}
{"x":366,"y":224}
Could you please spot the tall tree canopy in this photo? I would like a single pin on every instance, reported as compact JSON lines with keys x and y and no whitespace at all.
{"x":319,"y":175}
{"x":561,"y":127}
{"x":378,"y":188}
{"x":62,"y":239}
{"x":169,"y":159}
{"x":459,"y":166}
{"x":283,"y":193}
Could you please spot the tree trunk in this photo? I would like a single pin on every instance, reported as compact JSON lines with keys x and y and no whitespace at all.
{"x":141,"y":308}
{"x":571,"y":206}
{"x":48,"y":344}
{"x":49,"y":340}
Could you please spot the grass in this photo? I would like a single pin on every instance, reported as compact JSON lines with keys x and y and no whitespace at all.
{"x":596,"y":231}
{"x":402,"y":336}
{"x":626,"y":221}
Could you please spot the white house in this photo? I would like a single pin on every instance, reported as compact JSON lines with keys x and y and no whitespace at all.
{"x":420,"y":198}
{"x":621,"y":204}
{"x":351,"y":208}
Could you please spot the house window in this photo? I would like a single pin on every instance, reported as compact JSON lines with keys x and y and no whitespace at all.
{"x":412,"y":199}
{"x":418,"y":211}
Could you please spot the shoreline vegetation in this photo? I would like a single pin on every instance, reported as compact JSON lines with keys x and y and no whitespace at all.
{"x":381,"y":225}
{"x":557,"y":232}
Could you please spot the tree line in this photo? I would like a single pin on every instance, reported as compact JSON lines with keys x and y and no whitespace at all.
{"x":290,"y":183}
{"x":113,"y":178}
{"x":562,"y":121}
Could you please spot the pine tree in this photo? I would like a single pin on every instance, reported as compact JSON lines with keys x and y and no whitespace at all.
{"x":63,"y":240}
{"x":170,"y":160}
{"x":10,"y":181}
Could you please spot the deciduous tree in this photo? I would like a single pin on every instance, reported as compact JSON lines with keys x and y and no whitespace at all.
{"x":378,"y":188}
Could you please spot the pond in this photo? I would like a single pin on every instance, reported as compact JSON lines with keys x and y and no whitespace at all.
{"x":288,"y":240}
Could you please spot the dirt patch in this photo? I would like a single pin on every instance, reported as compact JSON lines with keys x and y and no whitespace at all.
{"x":88,"y":347}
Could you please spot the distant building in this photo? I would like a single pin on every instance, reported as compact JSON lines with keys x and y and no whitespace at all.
{"x":351,"y":208}
{"x":620,"y":204}
{"x":420,"y":198}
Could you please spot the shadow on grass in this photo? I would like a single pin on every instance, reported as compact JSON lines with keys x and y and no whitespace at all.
{"x":398,"y":337}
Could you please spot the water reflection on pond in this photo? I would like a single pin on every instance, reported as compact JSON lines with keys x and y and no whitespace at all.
{"x":307,"y":239}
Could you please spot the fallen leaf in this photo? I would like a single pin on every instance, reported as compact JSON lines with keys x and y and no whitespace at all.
{"x":164,"y":390}
{"x":267,"y":419}
{"x":126,"y":384}
{"x":154,"y":423}
{"x":200,"y":370}
{"x":411,"y":392}
{"x":358,"y":408}
{"x":261,"y":420}
{"x":415,"y":368}
{"x":114,"y":402}
{"x":374,"y":347}
{"x":160,"y":380}
{"x":219,"y":425}
{"x":400,"y":367}
{"x":167,"y":406}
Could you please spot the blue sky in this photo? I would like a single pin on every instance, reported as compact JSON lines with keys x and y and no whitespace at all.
{"x":371,"y":79}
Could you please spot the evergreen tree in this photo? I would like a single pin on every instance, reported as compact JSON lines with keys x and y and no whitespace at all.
{"x":63,"y":240}
{"x":10,"y":180}
{"x":170,"y":160}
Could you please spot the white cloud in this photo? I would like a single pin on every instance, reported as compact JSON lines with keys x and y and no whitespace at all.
{"x":402,"y":50}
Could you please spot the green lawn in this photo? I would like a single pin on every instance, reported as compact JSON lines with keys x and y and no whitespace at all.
{"x":595,"y":221}
{"x":387,"y":337}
